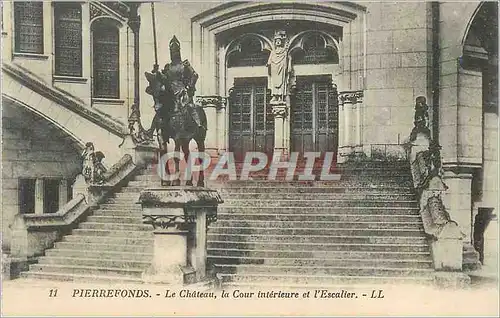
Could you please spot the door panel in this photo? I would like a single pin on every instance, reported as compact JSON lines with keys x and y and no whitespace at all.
{"x":251,"y":125}
{"x":314,"y":115}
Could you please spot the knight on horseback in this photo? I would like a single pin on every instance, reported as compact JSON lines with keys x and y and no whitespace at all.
{"x":181,"y":78}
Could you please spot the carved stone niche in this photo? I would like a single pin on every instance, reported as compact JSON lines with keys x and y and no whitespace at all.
{"x":179,"y":217}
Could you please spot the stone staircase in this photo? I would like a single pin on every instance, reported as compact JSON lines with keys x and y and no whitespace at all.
{"x":111,"y":245}
{"x":363,"y":229}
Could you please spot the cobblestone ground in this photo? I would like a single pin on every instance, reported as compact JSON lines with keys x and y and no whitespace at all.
{"x":23,"y":297}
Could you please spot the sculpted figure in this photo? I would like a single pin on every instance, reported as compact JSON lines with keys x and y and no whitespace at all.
{"x":278,"y":66}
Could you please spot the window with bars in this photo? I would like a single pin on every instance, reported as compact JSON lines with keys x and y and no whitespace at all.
{"x":28,"y":23}
{"x":106,"y":63}
{"x":68,"y":39}
{"x":315,"y":51}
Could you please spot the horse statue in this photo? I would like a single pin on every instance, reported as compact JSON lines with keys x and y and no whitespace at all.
{"x":177,"y":116}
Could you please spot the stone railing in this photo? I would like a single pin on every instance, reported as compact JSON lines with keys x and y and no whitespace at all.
{"x":444,"y":233}
{"x":32,"y":234}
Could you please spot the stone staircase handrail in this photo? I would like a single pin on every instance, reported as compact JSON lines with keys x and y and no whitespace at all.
{"x":66,"y":215}
{"x":30,"y":80}
{"x":426,"y":169}
{"x":46,"y":228}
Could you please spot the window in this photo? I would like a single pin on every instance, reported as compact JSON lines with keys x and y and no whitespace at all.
{"x":105,"y":53}
{"x":251,"y":54}
{"x":27,"y":196}
{"x":28,"y":21}
{"x":315,"y":51}
{"x":68,"y":39}
{"x":51,"y":195}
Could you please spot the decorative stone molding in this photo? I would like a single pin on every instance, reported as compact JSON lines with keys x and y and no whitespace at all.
{"x":280,"y":110}
{"x":350,"y":97}
{"x":96,"y":11}
{"x":216,"y":101}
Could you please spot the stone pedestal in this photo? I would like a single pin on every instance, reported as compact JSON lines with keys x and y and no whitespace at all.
{"x":179,"y":217}
{"x":142,"y":154}
{"x":281,"y":127}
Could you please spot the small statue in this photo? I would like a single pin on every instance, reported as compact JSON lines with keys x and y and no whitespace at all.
{"x":88,"y":156}
{"x":421,"y":119}
{"x":278,"y":67}
{"x":99,"y":169}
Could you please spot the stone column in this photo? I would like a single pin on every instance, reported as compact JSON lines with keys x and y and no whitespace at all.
{"x":458,"y":200}
{"x":63,"y":192}
{"x":222,"y":129}
{"x":180,"y":217}
{"x":281,"y":131}
{"x":350,"y":109}
{"x":39,"y":196}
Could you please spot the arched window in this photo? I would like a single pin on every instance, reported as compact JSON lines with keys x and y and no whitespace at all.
{"x":315,"y":51}
{"x":28,"y":22}
{"x":250,"y":53}
{"x":106,"y":59}
{"x":68,"y":39}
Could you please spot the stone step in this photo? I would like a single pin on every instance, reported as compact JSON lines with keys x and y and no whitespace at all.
{"x":342,"y":190}
{"x":309,"y":195}
{"x":223,"y":216}
{"x":119,"y":213}
{"x":79,"y":278}
{"x":115,"y":219}
{"x":333,"y":185}
{"x":125,"y":200}
{"x":123,"y":206}
{"x":116,"y":255}
{"x":111,"y":233}
{"x":86,"y":270}
{"x":99,"y":262}
{"x":316,"y":231}
{"x":299,"y":202}
{"x":225,"y":208}
{"x":321,"y":261}
{"x":316,"y":254}
{"x":365,"y":225}
{"x":117,"y":240}
{"x":245,"y":269}
{"x":287,"y":279}
{"x":294,"y":246}
{"x":137,"y":248}
{"x":116,"y":226}
{"x":316,"y":239}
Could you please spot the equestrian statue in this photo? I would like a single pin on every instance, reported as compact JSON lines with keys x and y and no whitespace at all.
{"x":176,"y":115}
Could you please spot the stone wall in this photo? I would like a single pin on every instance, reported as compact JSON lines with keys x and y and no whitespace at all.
{"x":398,"y":56}
{"x":31,"y":149}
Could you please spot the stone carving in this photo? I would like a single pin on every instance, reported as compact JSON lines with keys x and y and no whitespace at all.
{"x":136,"y":130}
{"x":351,"y":97}
{"x":95,"y":12}
{"x":279,"y":66}
{"x":280,"y":110}
{"x":93,"y":169}
{"x":421,"y":119}
{"x":211,"y":101}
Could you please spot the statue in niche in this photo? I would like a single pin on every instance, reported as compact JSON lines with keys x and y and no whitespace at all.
{"x":279,"y":66}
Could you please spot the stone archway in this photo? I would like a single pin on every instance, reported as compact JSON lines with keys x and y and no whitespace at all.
{"x":214,"y":30}
{"x":467,"y":110}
